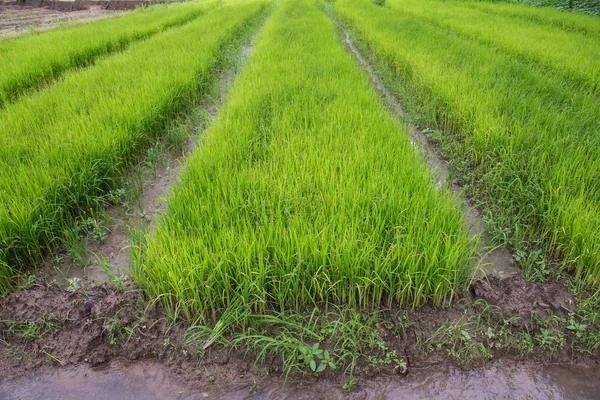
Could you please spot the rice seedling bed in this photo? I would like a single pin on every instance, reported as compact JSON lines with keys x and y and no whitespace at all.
{"x":523,"y":140}
{"x":542,"y":15}
{"x":575,"y":55}
{"x":305,"y":190}
{"x":59,"y":163}
{"x":27,"y":63}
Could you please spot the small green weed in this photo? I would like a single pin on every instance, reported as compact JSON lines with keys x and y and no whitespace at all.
{"x":74,"y":284}
{"x":311,"y":355}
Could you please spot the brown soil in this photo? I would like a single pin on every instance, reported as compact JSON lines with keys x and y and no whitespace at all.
{"x":524,"y":299}
{"x":123,"y":325}
{"x":16,"y":19}
{"x":74,"y":336}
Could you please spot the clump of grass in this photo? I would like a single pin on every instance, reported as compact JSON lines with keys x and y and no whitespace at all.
{"x":28,"y":330}
{"x":314,"y":341}
{"x":520,"y":137}
{"x":58,"y":164}
{"x":304,"y":190}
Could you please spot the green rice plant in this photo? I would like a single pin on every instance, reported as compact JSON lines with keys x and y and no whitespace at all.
{"x":527,"y":142}
{"x":63,"y":149}
{"x":305,"y":190}
{"x":27,"y":63}
{"x":591,"y":7}
{"x":542,"y":15}
{"x":576,"y":55}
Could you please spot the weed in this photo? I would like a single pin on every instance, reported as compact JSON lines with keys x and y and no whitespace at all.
{"x":550,"y":340}
{"x":27,"y":330}
{"x":94,"y":228}
{"x":27,"y":282}
{"x":578,"y":328}
{"x":351,"y":384}
{"x":117,"y":330}
{"x":312,"y":342}
{"x":584,"y":324}
{"x":315,"y":358}
{"x":117,"y":197}
{"x":525,"y":344}
{"x":116,"y":281}
{"x":74,"y":284}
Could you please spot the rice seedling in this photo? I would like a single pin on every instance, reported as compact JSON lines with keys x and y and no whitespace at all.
{"x":591,"y":7}
{"x":576,"y":55}
{"x":27,"y":63}
{"x":62,"y":148}
{"x":305,"y":190}
{"x":542,"y":15}
{"x":523,"y":140}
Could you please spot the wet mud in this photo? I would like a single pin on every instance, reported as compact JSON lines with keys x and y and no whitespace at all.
{"x":95,"y":326}
{"x":518,"y":297}
{"x":149,"y":380}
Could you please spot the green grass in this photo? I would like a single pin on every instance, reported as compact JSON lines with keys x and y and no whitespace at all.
{"x":524,"y":141}
{"x":62,"y":148}
{"x":576,"y":55}
{"x":305,"y":190}
{"x":314,"y":341}
{"x":27,"y":63}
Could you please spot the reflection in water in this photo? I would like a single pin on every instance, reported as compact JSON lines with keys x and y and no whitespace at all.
{"x":148,"y":381}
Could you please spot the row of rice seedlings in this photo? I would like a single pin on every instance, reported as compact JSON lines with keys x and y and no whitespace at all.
{"x":62,"y":148}
{"x":27,"y":63}
{"x":575,"y":55}
{"x":543,"y":15}
{"x":590,"y":7}
{"x":526,"y":143}
{"x":305,"y":190}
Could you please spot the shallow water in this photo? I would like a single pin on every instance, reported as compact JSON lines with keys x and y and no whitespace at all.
{"x":148,"y":381}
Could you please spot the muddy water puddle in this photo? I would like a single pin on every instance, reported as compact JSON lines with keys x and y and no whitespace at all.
{"x":148,"y":380}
